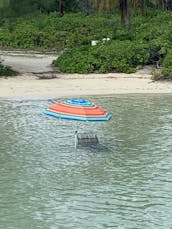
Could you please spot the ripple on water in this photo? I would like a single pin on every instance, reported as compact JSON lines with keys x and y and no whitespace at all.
{"x":126,"y":182}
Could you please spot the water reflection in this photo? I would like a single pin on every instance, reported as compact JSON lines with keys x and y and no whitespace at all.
{"x":125,"y":182}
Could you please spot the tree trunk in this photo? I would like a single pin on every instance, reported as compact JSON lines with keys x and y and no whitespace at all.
{"x":128,"y":16}
{"x":61,"y":13}
{"x":125,"y":11}
{"x":165,"y":4}
{"x":122,"y":10}
{"x":144,"y":7}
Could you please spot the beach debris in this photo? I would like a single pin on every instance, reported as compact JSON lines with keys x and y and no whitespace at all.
{"x":106,"y":39}
{"x":45,"y":75}
{"x":86,"y":139}
{"x":79,"y":110}
{"x":95,"y":42}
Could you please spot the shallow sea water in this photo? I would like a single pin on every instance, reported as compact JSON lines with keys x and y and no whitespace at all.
{"x":125,"y":182}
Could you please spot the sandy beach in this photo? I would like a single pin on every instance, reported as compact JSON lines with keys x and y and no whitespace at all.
{"x":78,"y":85}
{"x":28,"y":85}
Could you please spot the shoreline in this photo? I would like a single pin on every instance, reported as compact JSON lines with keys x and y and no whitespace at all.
{"x":32,"y":67}
{"x":28,"y":86}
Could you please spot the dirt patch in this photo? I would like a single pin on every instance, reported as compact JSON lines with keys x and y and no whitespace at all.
{"x":29,"y":62}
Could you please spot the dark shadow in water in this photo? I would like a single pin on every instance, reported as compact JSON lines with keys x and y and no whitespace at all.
{"x":97,"y":149}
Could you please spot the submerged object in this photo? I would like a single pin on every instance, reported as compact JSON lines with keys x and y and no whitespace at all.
{"x":79,"y":110}
{"x":86,"y":139}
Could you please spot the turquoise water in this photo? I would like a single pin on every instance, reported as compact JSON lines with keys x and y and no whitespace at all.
{"x":125,"y":182}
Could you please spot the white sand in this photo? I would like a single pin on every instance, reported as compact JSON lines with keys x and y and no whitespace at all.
{"x":29,"y":86}
{"x":79,"y":85}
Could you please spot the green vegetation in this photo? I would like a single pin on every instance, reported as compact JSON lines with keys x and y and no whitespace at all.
{"x":6,"y":71}
{"x":121,"y":56}
{"x":52,"y":32}
{"x":148,"y":42}
{"x":144,"y":38}
{"x":167,"y":65}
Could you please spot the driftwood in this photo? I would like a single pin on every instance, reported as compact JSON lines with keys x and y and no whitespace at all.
{"x":45,"y":75}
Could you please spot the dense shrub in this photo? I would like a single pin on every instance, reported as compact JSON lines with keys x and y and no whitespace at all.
{"x":157,"y":74}
{"x":105,"y":57}
{"x":52,"y":32}
{"x":6,"y":71}
{"x":148,"y":42}
{"x":167,"y":66}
